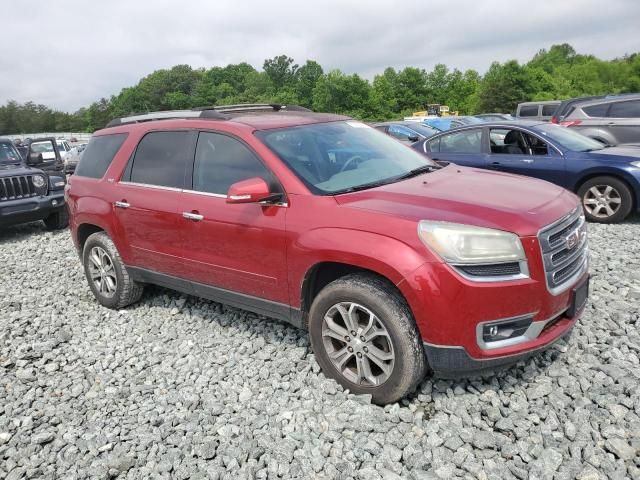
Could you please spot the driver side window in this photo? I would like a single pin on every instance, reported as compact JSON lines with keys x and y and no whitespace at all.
{"x":222,"y":161}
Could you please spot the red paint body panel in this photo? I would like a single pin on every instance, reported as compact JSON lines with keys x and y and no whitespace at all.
{"x":266,"y":251}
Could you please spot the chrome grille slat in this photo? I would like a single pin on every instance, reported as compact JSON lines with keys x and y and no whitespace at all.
{"x":563,"y":262}
{"x":14,"y":188}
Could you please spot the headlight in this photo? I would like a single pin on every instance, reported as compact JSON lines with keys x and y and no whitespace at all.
{"x":466,"y":244}
{"x":38,"y":181}
{"x":636,"y":164}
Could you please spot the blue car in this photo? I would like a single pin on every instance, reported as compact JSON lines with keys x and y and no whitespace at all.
{"x":607,"y":179}
{"x":447,"y":123}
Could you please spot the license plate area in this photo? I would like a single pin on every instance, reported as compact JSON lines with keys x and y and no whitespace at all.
{"x":579,"y":297}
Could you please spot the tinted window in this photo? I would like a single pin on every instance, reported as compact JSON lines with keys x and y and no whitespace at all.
{"x":98,"y":155}
{"x":222,"y":161}
{"x":8,"y":153}
{"x":468,"y":141}
{"x":529,"y":111}
{"x":625,"y":110}
{"x":160,"y":159}
{"x":548,"y":110}
{"x":596,"y":110}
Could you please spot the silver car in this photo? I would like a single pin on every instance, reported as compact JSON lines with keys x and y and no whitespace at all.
{"x":611,"y":120}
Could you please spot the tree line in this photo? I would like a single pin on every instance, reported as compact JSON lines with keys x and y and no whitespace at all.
{"x":557,"y":73}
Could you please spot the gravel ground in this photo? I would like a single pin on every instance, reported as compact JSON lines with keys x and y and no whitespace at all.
{"x":177,"y":387}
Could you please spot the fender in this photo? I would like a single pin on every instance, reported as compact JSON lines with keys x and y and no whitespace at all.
{"x":632,"y":181}
{"x":386,"y":256}
{"x":93,"y":211}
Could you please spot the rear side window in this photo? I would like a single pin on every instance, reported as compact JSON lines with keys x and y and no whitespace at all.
{"x":222,"y":161}
{"x":468,"y":141}
{"x":625,"y":109}
{"x":548,"y":110}
{"x":596,"y":110}
{"x":161,"y":158}
{"x":529,"y":111}
{"x":99,"y":154}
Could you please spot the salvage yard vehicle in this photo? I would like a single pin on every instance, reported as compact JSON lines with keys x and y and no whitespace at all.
{"x":393,"y":264}
{"x":29,"y":194}
{"x":537,"y":110}
{"x":607,"y":179}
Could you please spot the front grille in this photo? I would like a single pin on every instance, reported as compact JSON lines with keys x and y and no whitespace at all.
{"x":495,"y":270}
{"x":14,"y":188}
{"x":564,"y":250}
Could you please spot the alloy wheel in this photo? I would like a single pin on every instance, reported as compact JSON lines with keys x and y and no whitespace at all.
{"x":102,"y":272}
{"x":602,"y":201}
{"x":358,"y":344}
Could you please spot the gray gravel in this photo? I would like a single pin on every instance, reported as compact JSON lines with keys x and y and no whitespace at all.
{"x":177,"y":387}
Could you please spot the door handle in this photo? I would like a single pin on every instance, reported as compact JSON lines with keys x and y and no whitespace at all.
{"x":122,"y":204}
{"x":495,"y":165}
{"x":611,"y":123}
{"x":527,"y":160}
{"x":196,"y":217}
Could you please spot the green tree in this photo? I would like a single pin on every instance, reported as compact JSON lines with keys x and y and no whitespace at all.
{"x":281,"y":70}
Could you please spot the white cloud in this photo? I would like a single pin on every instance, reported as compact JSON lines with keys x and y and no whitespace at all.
{"x":69,"y":53}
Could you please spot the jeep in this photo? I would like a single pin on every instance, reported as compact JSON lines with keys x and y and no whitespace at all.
{"x":29,"y":194}
{"x":395,"y":265}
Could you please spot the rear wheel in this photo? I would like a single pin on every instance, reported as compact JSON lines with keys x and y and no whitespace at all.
{"x":364,"y":336}
{"x":605,"y":199}
{"x":106,"y":273}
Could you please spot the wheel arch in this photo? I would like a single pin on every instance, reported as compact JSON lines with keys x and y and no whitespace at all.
{"x":620,"y":176}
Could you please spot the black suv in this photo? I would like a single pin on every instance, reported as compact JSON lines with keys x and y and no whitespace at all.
{"x":29,"y":194}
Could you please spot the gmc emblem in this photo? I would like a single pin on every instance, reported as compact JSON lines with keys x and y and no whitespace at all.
{"x":572,"y":240}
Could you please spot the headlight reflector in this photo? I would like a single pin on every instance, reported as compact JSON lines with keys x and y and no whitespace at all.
{"x":467,"y":244}
{"x":38,"y":181}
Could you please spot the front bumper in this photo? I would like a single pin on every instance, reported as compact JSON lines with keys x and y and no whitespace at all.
{"x":30,"y":209}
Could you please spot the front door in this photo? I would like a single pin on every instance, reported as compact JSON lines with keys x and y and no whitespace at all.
{"x":517,"y":151}
{"x":148,"y":202}
{"x":236,"y":247}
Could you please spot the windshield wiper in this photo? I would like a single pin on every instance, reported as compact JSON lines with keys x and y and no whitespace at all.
{"x":364,"y":186}
{"x":419,"y":171}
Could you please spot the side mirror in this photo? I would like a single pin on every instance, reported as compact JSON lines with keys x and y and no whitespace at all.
{"x":413,"y":138}
{"x":252,"y":190}
{"x":34,"y":158}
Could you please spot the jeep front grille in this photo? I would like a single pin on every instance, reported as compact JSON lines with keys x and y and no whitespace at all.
{"x":14,"y":188}
{"x":565,"y":252}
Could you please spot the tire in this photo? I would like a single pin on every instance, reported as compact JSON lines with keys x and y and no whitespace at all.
{"x":368,"y":294}
{"x":115,"y":288}
{"x":605,"y":199}
{"x":57,"y":220}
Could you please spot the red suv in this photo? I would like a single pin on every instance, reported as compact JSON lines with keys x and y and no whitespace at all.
{"x":394,"y":264}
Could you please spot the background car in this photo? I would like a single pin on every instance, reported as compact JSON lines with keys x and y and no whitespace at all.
{"x":446,"y":123}
{"x":543,"y":110}
{"x":607,"y":179}
{"x":488,"y":117}
{"x":611,"y":120}
{"x":406,"y":131}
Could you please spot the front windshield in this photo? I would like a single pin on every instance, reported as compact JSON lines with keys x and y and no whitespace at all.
{"x":8,"y":153}
{"x":42,"y":147}
{"x":338,"y":157}
{"x":569,"y":139}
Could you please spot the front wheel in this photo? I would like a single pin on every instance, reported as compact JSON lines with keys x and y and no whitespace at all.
{"x":605,"y":199}
{"x":364,"y":336}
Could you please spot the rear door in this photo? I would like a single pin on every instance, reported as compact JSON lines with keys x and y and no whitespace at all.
{"x":148,"y":206}
{"x":464,"y":147}
{"x":521,"y":152}
{"x":236,"y":247}
{"x":624,"y":121}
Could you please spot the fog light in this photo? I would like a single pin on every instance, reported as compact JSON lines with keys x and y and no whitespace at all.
{"x":54,"y":202}
{"x":493,"y":332}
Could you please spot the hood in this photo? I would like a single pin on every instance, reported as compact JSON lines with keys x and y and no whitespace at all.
{"x":629,"y":150}
{"x":15,"y":170}
{"x":470,"y":196}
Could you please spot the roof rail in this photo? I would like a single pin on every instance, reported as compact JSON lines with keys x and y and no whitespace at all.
{"x":218,"y":113}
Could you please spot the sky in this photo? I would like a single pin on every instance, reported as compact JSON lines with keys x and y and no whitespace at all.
{"x":69,"y":53}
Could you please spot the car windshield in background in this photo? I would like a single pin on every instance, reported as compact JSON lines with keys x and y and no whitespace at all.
{"x":424,"y":129}
{"x":569,"y":139}
{"x":8,"y":153}
{"x":339,"y":157}
{"x":42,"y":147}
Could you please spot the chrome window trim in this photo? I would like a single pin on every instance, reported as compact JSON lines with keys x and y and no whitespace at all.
{"x":150,"y":185}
